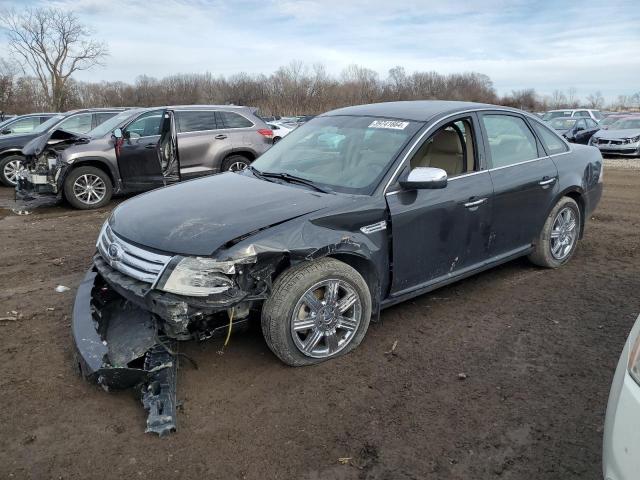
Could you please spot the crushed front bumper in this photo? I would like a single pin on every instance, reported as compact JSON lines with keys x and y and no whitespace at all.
{"x":122,"y":342}
{"x":118,"y":346}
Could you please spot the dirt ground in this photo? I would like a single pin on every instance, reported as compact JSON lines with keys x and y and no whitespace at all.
{"x":538,"y":347}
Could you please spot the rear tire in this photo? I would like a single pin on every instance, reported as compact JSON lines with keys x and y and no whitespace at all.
{"x":88,"y":188}
{"x":558,"y":239}
{"x":339,"y":321}
{"x":8,"y":169}
{"x":235,"y":163}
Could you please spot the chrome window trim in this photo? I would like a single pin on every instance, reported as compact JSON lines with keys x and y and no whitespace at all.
{"x":429,"y":129}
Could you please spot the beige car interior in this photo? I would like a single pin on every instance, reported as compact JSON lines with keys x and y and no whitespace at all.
{"x":450,"y":148}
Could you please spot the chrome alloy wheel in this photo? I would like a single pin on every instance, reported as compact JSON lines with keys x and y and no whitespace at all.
{"x":564,"y":233}
{"x":237,"y":166}
{"x":89,"y":189}
{"x":326,"y":318}
{"x":11,"y":170}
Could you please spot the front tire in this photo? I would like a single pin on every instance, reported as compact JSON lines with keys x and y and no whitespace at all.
{"x":9,"y":167}
{"x":88,"y":188}
{"x":317,"y":311}
{"x":558,"y":239}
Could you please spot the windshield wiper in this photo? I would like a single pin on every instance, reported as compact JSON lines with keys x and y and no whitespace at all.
{"x":287,"y":177}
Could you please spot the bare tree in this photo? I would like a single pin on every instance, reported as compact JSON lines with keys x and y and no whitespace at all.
{"x":595,"y":100}
{"x":7,"y":80}
{"x":51,"y":45}
{"x":558,"y":99}
{"x":572,"y":98}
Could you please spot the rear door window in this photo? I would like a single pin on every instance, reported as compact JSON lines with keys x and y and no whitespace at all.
{"x":196,"y":121}
{"x":510,"y":140}
{"x":551,"y":142}
{"x":234,"y":120}
{"x":581,"y":113}
{"x":80,"y":123}
{"x":104,"y":116}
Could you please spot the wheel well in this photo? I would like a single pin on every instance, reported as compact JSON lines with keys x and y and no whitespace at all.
{"x":577,"y":196}
{"x":4,"y":155}
{"x":244,"y":153}
{"x":365,"y":268}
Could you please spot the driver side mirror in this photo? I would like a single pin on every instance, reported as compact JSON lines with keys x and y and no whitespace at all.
{"x":6,"y":131}
{"x":117,"y":133}
{"x":423,"y":178}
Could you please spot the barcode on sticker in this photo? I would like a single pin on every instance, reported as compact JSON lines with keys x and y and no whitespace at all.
{"x":393,"y":124}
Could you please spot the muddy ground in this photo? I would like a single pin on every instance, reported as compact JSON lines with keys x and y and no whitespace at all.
{"x":538,"y":347}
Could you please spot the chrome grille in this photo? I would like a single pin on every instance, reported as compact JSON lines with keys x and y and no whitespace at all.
{"x":133,"y":261}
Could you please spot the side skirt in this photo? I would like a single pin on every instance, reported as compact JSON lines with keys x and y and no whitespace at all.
{"x":447,"y":279}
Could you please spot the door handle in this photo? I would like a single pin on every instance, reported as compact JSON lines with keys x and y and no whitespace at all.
{"x":220,"y":137}
{"x":150,"y":145}
{"x":475,"y":203}
{"x":547,"y":181}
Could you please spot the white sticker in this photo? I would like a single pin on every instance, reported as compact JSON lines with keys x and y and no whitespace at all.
{"x":393,"y":124}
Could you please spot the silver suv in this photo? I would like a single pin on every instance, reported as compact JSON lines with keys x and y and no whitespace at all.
{"x":141,"y":149}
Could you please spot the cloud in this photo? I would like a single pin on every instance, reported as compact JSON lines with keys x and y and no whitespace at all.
{"x":545,"y":45}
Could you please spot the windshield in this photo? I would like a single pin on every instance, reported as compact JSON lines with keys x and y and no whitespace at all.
{"x":560,"y":113}
{"x":626,"y":124}
{"x":48,"y":124}
{"x":343,"y":153}
{"x":109,"y":125}
{"x":608,"y":121}
{"x":563,"y":123}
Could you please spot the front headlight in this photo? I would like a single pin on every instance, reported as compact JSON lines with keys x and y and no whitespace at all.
{"x":634,"y":139}
{"x":199,"y":277}
{"x":634,"y":360}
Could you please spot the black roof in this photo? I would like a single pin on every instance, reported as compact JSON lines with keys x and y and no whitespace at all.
{"x":417,"y":110}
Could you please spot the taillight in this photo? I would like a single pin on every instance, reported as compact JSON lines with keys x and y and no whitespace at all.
{"x":266,"y":132}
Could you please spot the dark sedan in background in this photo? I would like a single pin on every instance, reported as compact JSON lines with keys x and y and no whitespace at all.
{"x":24,"y":123}
{"x":575,"y":130}
{"x":356,"y":210}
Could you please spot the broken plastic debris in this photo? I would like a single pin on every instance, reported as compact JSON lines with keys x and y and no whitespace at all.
{"x":62,"y":288}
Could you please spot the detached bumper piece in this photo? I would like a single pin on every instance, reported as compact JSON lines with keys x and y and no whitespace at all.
{"x":29,"y":195}
{"x":118,"y":346}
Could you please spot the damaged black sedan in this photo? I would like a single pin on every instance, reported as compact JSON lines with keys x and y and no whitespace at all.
{"x":358,"y":209}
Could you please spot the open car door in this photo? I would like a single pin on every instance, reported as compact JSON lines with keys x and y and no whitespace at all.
{"x":147,"y":151}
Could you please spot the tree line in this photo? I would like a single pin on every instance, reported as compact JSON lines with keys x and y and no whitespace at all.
{"x":293,"y":89}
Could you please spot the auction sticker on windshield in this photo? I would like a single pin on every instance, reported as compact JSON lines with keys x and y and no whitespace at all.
{"x":393,"y":124}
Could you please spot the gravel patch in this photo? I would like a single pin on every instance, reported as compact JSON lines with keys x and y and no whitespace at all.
{"x":617,"y":162}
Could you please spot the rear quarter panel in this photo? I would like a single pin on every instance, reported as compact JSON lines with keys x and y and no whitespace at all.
{"x":580,"y":170}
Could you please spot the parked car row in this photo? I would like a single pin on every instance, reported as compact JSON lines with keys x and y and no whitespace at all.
{"x":616,"y":133}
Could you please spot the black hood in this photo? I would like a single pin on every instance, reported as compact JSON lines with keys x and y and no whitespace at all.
{"x":56,"y":139}
{"x":200,"y":216}
{"x":16,"y":141}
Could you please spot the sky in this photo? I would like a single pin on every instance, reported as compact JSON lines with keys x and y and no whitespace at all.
{"x":546,"y":45}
